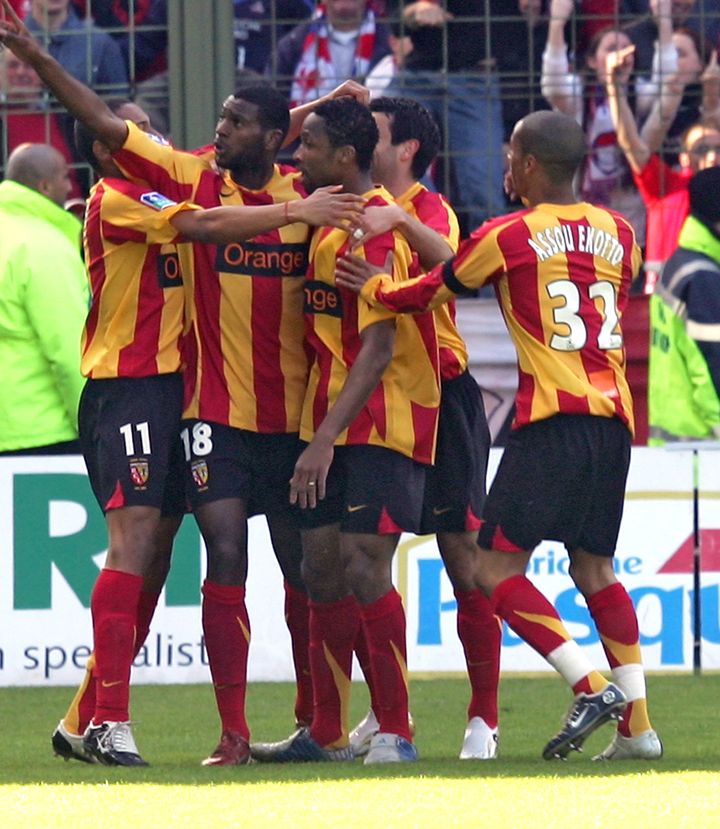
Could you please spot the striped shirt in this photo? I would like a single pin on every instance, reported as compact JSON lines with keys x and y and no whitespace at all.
{"x":401,"y":413}
{"x":246,"y":361}
{"x":135,"y":321}
{"x":561,"y":274}
{"x":433,"y":210}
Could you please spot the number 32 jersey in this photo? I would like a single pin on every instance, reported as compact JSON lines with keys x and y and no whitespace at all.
{"x":561,"y":274}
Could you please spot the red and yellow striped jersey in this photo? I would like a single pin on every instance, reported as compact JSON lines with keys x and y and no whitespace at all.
{"x":433,"y":210}
{"x":135,"y":321}
{"x":401,"y":414}
{"x":561,"y":274}
{"x":246,"y":361}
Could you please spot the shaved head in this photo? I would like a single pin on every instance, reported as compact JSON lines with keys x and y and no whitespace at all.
{"x":29,"y":164}
{"x":555,"y":140}
{"x":39,"y":167}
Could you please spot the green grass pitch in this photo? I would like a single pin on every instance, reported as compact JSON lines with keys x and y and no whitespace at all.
{"x":176,"y":726}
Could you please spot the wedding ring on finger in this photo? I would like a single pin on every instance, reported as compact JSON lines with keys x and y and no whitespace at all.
{"x":311,"y":483}
{"x":357,"y":233}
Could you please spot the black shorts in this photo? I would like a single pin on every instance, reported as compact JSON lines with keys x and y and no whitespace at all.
{"x":129,"y":429}
{"x":370,"y":489}
{"x":455,"y":486}
{"x":559,"y":479}
{"x":225,"y":462}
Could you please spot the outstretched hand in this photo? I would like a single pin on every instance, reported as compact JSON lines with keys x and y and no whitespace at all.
{"x":561,"y":10}
{"x":13,"y":32}
{"x":619,"y":64}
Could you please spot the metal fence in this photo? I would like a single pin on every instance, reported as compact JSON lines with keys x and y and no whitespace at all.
{"x":485,"y":99}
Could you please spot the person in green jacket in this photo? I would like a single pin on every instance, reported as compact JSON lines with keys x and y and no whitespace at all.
{"x":684,"y":367}
{"x":43,"y":304}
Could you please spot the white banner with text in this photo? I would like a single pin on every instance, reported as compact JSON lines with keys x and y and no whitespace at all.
{"x":53,"y":541}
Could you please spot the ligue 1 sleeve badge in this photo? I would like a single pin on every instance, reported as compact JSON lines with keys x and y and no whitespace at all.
{"x":139,"y":473}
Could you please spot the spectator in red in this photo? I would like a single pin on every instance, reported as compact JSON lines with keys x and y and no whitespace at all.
{"x":663,"y":188}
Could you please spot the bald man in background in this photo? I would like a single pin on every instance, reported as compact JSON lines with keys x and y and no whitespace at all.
{"x":43,"y":303}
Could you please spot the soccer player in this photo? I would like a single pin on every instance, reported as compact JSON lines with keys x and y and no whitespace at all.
{"x":455,"y":485}
{"x":561,"y":270}
{"x":368,"y":424}
{"x":246,"y":371}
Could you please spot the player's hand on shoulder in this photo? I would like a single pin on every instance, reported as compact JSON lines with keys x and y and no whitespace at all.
{"x":330,"y":206}
{"x":376,"y":220}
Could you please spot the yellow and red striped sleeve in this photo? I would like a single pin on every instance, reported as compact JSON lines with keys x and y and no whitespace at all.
{"x":135,"y":320}
{"x":433,"y":210}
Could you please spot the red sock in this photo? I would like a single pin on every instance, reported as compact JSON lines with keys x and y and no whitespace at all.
{"x":363,"y":656}
{"x":384,"y":624}
{"x":114,"y":604}
{"x":333,"y":631}
{"x":479,"y":632}
{"x":297,"y":618}
{"x":227,"y":638}
{"x":84,"y":702}
{"x":533,"y":618}
{"x":615,"y":618}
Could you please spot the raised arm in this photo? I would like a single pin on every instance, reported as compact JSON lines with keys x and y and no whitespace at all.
{"x":619,"y":67}
{"x":298,"y":114}
{"x":79,"y":100}
{"x":559,"y":86}
{"x":664,"y":64}
{"x":711,"y":92}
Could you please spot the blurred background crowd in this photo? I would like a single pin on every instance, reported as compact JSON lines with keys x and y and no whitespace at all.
{"x":641,"y":76}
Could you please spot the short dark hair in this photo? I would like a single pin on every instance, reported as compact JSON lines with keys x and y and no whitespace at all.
{"x":84,"y":138}
{"x":273,"y":112}
{"x":410,"y":119}
{"x":557,"y":141}
{"x":349,"y":123}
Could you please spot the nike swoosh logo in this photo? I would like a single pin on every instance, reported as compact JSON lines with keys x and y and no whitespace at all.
{"x":356,"y":508}
{"x":106,"y":684}
{"x":441,"y":511}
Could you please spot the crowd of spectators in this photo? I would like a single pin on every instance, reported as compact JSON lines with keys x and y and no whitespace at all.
{"x":640,"y":76}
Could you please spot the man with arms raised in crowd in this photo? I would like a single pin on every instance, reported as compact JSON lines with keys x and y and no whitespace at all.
{"x":369,"y":423}
{"x":561,"y":270}
{"x":455,"y":486}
